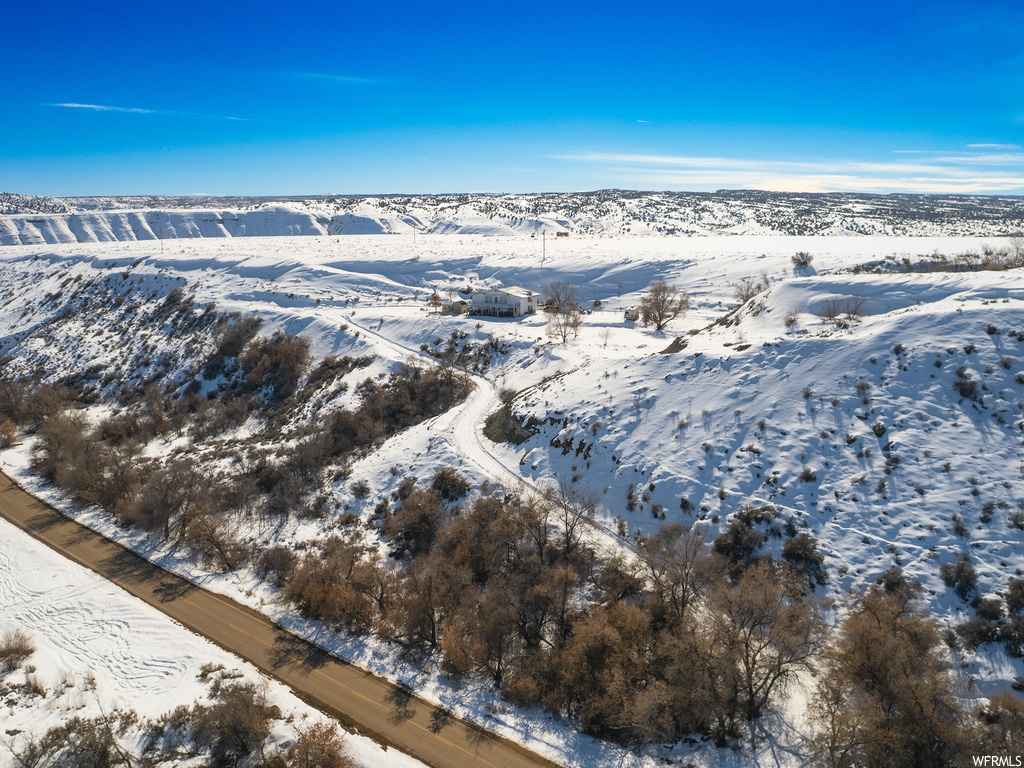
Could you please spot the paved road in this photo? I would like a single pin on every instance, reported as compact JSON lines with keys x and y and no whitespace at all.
{"x":358,"y":699}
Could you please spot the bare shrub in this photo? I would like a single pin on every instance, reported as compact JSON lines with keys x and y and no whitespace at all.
{"x":847,"y":308}
{"x":831,"y":310}
{"x":276,"y":363}
{"x":802,"y":259}
{"x":450,"y":483}
{"x":960,"y":576}
{"x":802,"y":553}
{"x":747,"y":289}
{"x":15,"y":647}
{"x":319,"y":746}
{"x":853,"y":307}
{"x":276,"y":564}
{"x":236,"y":724}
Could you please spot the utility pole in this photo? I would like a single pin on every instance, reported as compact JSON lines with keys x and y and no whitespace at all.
{"x":543,"y":246}
{"x":161,"y":241}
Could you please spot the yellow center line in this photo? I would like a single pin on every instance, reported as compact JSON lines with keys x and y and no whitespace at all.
{"x":67,"y":549}
{"x":296,"y":660}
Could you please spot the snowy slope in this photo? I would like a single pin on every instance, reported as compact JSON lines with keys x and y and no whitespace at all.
{"x":721,"y":422}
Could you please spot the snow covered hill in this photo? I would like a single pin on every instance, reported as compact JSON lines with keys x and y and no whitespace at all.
{"x":592,"y":214}
{"x":892,"y":431}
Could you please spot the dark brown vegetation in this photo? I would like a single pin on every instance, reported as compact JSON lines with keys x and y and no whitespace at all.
{"x":504,"y":587}
{"x":887,"y":696}
{"x":187,"y":499}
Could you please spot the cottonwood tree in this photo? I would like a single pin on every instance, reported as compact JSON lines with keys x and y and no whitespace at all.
{"x":888,"y":697}
{"x":559,"y":296}
{"x":571,"y":509}
{"x":675,"y":561}
{"x":564,"y":322}
{"x":663,"y":303}
{"x":773,"y":633}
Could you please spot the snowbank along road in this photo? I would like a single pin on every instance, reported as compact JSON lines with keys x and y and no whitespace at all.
{"x":359,"y":700}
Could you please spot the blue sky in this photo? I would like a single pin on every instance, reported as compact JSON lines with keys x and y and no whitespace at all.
{"x":400,"y":97}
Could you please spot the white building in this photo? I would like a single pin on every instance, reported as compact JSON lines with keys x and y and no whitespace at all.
{"x":511,"y":301}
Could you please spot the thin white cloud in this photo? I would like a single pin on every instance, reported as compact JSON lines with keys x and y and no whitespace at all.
{"x":140,"y":111}
{"x":337,"y":78}
{"x":102,"y":108}
{"x":993,"y":146}
{"x":965,"y":173}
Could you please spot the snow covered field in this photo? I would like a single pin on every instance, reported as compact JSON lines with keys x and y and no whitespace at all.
{"x":857,"y":434}
{"x":99,"y":649}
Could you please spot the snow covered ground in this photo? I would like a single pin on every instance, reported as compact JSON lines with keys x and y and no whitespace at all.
{"x":807,"y":415}
{"x":99,"y":649}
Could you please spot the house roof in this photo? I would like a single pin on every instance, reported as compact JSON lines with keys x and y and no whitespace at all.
{"x":511,"y":290}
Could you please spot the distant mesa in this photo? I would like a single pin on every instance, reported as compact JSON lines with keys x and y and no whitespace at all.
{"x":32,"y":220}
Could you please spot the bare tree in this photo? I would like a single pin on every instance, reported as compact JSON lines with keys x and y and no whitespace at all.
{"x":766,"y":633}
{"x":663,"y":303}
{"x":560,"y":296}
{"x":434,"y":302}
{"x":564,"y":322}
{"x":572,"y":509}
{"x":676,"y":563}
{"x":1016,"y":248}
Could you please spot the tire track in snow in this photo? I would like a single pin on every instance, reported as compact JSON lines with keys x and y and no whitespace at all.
{"x":73,"y":618}
{"x":467,"y":438}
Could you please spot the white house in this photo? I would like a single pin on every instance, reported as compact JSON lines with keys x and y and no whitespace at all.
{"x":511,"y":301}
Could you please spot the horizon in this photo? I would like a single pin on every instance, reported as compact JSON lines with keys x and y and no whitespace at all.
{"x":923,"y":98}
{"x":374,"y":195}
